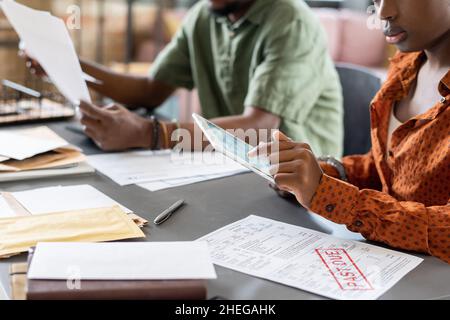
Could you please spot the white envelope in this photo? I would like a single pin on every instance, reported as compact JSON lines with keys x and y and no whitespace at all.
{"x":61,"y":199}
{"x":122,"y":261}
{"x":19,"y":146}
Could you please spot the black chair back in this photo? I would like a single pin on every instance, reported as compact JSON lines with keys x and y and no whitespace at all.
{"x":359,"y":86}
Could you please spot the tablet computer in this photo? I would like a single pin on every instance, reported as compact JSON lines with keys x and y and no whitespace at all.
{"x":233,"y":147}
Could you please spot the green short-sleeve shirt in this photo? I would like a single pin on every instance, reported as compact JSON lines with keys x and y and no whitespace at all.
{"x":275,"y":58}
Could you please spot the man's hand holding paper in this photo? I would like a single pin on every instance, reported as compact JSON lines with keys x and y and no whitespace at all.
{"x":48,"y":42}
{"x":107,"y":125}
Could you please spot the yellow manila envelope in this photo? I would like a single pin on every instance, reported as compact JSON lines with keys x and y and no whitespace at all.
{"x":18,"y":234}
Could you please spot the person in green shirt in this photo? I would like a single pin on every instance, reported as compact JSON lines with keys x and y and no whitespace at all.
{"x":256,"y":64}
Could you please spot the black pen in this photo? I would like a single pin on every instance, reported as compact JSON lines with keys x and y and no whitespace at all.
{"x":166,"y":214}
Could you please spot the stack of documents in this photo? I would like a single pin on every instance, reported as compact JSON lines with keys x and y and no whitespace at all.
{"x":178,"y":182}
{"x":119,"y":271}
{"x":157,"y":170}
{"x":57,"y":199}
{"x":38,"y":152}
{"x":18,"y":234}
{"x":73,"y":213}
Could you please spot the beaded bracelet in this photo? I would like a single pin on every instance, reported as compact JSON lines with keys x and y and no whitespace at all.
{"x":155,"y":137}
{"x":166,"y":140}
{"x":177,"y":130}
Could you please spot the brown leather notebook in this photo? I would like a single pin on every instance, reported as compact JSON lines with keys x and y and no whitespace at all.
{"x":115,"y":290}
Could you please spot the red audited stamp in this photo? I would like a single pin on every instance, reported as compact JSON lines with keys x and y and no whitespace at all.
{"x":343,"y":269}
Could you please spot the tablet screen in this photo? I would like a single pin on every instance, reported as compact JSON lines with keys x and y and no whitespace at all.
{"x":233,"y":147}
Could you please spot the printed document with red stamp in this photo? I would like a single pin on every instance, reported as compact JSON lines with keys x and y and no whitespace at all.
{"x":307,"y":259}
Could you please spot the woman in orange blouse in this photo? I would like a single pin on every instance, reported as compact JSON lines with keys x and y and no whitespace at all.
{"x":398,"y":193}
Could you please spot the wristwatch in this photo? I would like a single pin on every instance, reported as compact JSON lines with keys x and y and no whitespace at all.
{"x":335,"y":164}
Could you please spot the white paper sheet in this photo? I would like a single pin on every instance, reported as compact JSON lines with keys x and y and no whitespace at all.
{"x":48,"y":41}
{"x":60,"y":199}
{"x":5,"y":209}
{"x":122,"y":261}
{"x":3,"y":295}
{"x":307,"y":259}
{"x":178,"y":182}
{"x":20,"y":146}
{"x":91,"y":79}
{"x":78,"y":169}
{"x":145,"y":166}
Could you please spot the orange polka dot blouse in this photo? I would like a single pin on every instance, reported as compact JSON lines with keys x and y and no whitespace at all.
{"x":399,"y":196}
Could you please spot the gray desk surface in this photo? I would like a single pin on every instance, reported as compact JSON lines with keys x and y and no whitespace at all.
{"x":213,"y":204}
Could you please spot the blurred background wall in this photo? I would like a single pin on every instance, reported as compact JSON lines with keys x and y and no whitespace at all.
{"x":128,"y":34}
{"x":103,"y":34}
{"x":357,"y":4}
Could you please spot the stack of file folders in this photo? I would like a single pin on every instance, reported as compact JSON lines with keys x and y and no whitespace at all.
{"x":24,"y":288}
{"x":38,"y":152}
